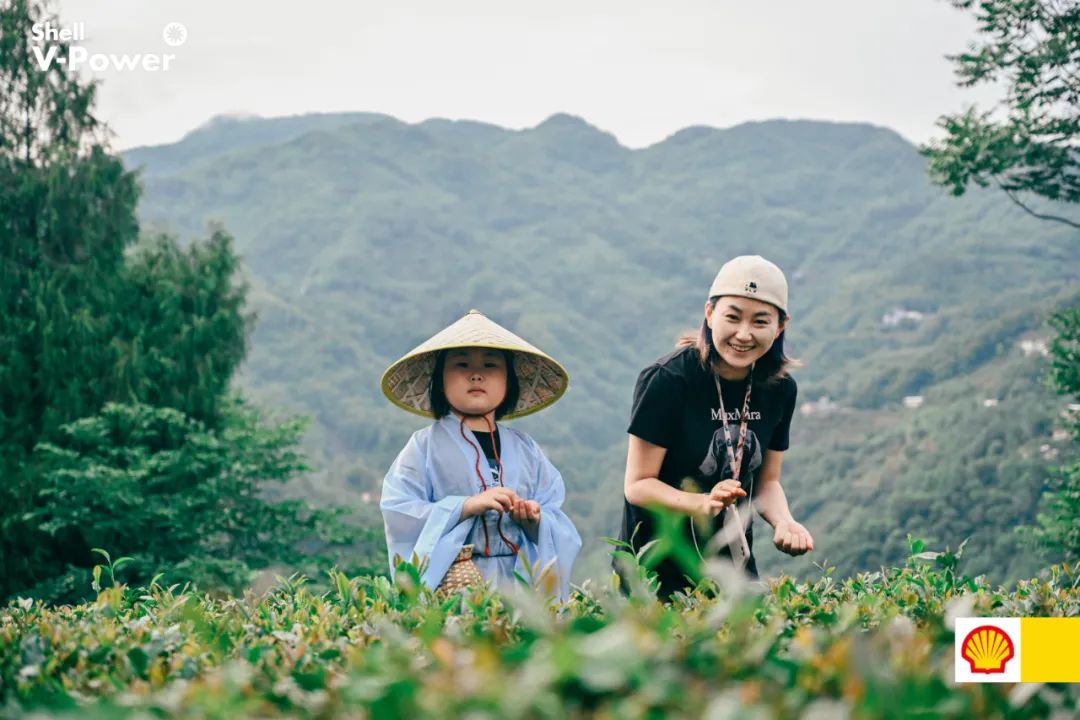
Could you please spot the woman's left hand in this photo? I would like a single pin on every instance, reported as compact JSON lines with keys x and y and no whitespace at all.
{"x":525,"y":511}
{"x":792,"y":538}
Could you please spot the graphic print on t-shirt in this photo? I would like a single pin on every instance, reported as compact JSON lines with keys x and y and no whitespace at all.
{"x":717,"y":465}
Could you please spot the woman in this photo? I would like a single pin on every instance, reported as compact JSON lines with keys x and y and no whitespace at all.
{"x":710,"y":425}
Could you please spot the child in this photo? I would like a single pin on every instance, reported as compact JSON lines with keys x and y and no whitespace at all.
{"x":465,"y":480}
{"x":710,"y":422}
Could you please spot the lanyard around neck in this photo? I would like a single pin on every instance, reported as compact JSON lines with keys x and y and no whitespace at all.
{"x":735,"y":455}
{"x":733,"y":529}
{"x":498,"y":460}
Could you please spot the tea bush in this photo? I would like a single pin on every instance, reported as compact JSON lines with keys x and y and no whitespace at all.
{"x":875,"y":645}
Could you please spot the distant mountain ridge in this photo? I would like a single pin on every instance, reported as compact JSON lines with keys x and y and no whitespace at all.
{"x":363,"y":235}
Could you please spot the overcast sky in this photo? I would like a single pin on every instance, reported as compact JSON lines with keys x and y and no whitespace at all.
{"x":640,"y":70}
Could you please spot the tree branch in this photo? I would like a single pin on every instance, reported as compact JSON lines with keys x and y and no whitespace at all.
{"x":1029,"y":211}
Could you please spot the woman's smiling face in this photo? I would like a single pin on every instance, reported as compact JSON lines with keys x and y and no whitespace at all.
{"x":474,"y":380}
{"x":743,"y":330}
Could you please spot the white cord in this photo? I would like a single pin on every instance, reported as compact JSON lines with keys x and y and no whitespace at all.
{"x":736,"y":519}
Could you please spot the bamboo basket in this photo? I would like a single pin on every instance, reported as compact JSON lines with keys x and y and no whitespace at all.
{"x":462,"y":575}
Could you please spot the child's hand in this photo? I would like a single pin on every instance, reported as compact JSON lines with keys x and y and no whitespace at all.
{"x":525,"y":511}
{"x":496,"y":498}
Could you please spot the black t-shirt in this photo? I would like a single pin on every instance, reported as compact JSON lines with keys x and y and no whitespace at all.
{"x":483,"y":438}
{"x":676,"y":407}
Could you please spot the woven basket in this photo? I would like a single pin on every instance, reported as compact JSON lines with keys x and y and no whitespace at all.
{"x":462,"y":575}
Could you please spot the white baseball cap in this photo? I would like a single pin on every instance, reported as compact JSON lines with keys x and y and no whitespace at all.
{"x":754,"y":277}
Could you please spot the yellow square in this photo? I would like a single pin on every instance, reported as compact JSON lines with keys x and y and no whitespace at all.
{"x":1051,"y":649}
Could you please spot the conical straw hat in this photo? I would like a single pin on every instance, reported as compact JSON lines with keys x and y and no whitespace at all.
{"x":542,"y":379}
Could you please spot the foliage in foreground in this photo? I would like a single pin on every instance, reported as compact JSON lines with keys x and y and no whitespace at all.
{"x":874,"y":645}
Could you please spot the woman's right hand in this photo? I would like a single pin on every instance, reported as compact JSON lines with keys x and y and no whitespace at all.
{"x":496,"y":498}
{"x":723,"y":493}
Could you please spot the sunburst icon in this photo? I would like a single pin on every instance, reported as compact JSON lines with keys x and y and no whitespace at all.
{"x":174,"y":34}
{"x":987,"y":649}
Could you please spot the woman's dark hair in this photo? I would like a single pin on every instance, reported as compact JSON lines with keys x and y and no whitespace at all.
{"x":440,"y":406}
{"x":772,"y":366}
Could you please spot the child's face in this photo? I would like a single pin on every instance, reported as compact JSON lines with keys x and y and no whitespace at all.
{"x":474,"y":380}
{"x":743,"y":330}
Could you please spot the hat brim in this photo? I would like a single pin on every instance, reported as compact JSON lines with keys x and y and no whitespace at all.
{"x":541,"y":379}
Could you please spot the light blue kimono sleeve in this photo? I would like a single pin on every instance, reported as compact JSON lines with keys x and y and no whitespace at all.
{"x":417,"y":523}
{"x":557,"y":540}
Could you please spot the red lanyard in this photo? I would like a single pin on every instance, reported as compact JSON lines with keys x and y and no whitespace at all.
{"x":736,"y":455}
{"x":733,"y":526}
{"x":483,"y":484}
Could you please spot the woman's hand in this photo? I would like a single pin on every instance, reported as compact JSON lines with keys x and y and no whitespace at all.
{"x":496,"y":498}
{"x":792,"y":538}
{"x":525,"y":511}
{"x":723,"y":494}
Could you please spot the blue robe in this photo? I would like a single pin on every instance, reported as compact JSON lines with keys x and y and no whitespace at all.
{"x":426,"y":487}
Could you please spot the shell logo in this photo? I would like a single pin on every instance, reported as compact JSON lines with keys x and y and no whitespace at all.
{"x":987,"y":649}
